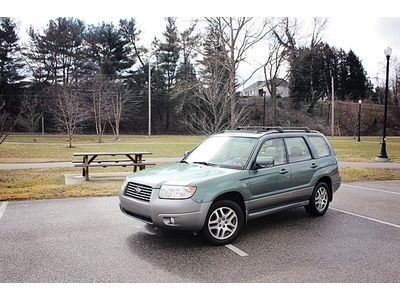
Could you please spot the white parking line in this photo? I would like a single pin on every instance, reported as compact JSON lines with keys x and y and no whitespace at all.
{"x":236,"y":250}
{"x":365,"y":217}
{"x":2,"y":209}
{"x":371,"y":189}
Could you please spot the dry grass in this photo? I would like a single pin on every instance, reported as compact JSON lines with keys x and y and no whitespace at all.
{"x":49,"y":183}
{"x":368,"y":174}
{"x":347,"y":149}
{"x":21,"y":148}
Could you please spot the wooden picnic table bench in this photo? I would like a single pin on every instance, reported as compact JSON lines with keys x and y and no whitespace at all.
{"x":90,"y":159}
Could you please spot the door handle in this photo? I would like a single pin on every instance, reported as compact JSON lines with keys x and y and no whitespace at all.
{"x":283,"y":171}
{"x":314,"y":165}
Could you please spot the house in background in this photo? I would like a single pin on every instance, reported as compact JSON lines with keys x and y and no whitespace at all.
{"x":257,"y":89}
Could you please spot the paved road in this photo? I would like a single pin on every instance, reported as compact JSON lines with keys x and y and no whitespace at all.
{"x":90,"y":240}
{"x":68,"y":164}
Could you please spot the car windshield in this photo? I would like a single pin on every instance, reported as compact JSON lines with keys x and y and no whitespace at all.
{"x":223,"y":151}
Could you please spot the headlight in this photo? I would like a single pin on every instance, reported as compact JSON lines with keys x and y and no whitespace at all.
{"x":176,"y":192}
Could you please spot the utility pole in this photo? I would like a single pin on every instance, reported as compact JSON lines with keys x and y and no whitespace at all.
{"x":333,"y":109}
{"x":359,"y":121}
{"x":149,"y":133}
{"x":42,"y":125}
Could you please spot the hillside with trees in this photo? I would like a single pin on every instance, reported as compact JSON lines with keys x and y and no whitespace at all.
{"x":93,"y":78}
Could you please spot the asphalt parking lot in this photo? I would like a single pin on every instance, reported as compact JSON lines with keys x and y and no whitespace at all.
{"x":90,"y":240}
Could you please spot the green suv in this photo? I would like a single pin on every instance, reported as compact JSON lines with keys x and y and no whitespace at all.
{"x":233,"y":177}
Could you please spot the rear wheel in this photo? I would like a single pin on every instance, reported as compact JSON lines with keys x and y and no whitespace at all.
{"x":319,"y":201}
{"x":223,"y":223}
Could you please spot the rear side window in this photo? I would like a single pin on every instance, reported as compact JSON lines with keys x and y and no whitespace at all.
{"x":297,"y":149}
{"x":319,"y":145}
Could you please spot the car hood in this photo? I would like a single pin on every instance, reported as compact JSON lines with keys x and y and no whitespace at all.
{"x":178,"y":174}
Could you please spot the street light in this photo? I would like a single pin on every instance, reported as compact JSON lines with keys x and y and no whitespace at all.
{"x":263,"y":121}
{"x":383,"y":155}
{"x":149,"y":112}
{"x":359,"y":121}
{"x":149,"y":90}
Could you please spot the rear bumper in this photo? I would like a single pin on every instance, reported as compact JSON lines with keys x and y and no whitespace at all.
{"x":188,"y":214}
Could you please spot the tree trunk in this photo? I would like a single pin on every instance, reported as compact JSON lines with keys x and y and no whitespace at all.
{"x":70,"y":138}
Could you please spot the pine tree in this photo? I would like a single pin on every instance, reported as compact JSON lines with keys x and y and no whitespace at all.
{"x":168,"y":56}
{"x":107,"y":51}
{"x":356,"y":85}
{"x":312,"y":70}
{"x":56,"y":54}
{"x":10,"y":63}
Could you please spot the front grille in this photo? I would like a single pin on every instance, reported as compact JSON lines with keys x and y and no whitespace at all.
{"x":138,"y":191}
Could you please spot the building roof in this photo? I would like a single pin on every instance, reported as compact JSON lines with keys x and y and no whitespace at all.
{"x":261,"y":83}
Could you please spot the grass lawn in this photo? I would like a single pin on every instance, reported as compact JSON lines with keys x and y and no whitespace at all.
{"x":368,"y":174}
{"x":22,"y":148}
{"x":49,"y":183}
{"x":347,"y":149}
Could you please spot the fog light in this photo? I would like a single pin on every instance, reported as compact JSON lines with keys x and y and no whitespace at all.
{"x":172,"y":220}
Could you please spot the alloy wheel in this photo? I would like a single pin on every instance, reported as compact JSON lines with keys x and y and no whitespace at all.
{"x":223,"y":223}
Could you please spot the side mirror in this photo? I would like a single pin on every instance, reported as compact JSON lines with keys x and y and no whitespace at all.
{"x":264,"y":162}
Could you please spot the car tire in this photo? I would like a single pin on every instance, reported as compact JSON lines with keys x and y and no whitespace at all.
{"x":320,"y":199}
{"x":223,"y":223}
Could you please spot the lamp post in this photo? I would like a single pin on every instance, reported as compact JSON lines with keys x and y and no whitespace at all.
{"x":149,"y":109}
{"x":263,"y":122}
{"x":383,"y":155}
{"x":359,"y":121}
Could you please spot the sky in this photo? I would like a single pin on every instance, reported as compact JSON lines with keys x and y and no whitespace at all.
{"x":366,"y":27}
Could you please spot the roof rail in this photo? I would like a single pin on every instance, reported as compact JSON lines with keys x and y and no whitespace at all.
{"x":277,"y":128}
{"x":306,"y":129}
{"x":260,"y":128}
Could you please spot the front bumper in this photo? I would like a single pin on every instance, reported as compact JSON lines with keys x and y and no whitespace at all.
{"x":188,"y":214}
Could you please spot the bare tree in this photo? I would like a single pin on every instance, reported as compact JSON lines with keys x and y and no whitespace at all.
{"x":237,"y":36}
{"x":210,"y":110}
{"x":30,"y":114}
{"x":278,"y":55}
{"x":69,"y":111}
{"x":118,"y":98}
{"x":286,"y":32}
{"x":99,"y":96}
{"x":7,"y":123}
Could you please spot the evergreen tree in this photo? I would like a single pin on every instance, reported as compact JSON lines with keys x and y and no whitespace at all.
{"x":356,"y":83}
{"x":313,"y":68}
{"x":107,"y":51}
{"x":56,"y":54}
{"x":167,"y":53}
{"x":186,"y":79}
{"x":10,"y":64}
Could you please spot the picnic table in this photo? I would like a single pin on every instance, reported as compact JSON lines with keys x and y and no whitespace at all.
{"x":119,"y":159}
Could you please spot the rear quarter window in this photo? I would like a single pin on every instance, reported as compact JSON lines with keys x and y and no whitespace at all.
{"x":320,"y":146}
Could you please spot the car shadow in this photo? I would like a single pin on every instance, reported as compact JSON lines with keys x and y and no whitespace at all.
{"x":189,"y":258}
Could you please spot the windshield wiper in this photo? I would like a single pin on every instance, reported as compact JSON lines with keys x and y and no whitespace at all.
{"x":205,"y":163}
{"x":183,"y":162}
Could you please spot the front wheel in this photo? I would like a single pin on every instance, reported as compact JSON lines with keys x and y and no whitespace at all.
{"x":223,"y":223}
{"x":319,"y":201}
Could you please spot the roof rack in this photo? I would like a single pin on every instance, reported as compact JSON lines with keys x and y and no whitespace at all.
{"x":260,"y":128}
{"x":267,"y":128}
